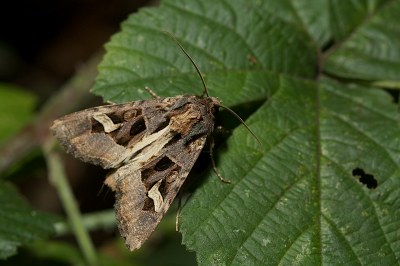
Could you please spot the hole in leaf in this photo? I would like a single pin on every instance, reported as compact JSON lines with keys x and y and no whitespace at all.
{"x":395,"y":95}
{"x":364,"y":178}
{"x":328,"y":45}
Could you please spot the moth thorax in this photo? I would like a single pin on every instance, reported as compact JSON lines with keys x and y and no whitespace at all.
{"x":182,"y":123}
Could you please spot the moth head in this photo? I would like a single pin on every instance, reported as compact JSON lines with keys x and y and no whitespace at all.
{"x":214,"y":104}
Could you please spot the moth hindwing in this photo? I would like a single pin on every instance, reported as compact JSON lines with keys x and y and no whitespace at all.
{"x":151,"y":145}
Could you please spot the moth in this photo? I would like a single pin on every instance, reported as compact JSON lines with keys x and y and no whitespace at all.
{"x":150,"y":147}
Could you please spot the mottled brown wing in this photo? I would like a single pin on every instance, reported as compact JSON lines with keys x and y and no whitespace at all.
{"x":85,"y":138}
{"x":153,"y":144}
{"x":136,"y":212}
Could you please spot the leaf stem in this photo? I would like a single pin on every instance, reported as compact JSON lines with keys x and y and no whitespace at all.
{"x":58,"y":178}
{"x":75,"y":92}
{"x":92,"y":221}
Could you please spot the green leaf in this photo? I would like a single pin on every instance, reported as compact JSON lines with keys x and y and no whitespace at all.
{"x":16,"y":109}
{"x":20,"y":224}
{"x":299,"y":201}
{"x":322,"y":188}
{"x":228,"y":53}
{"x":371,"y":50}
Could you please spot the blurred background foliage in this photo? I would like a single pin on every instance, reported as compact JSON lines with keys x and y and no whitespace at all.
{"x":42,"y":45}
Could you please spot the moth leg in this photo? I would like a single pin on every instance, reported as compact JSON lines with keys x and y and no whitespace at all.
{"x":152,"y":93}
{"x":213,"y":163}
{"x":178,"y":212}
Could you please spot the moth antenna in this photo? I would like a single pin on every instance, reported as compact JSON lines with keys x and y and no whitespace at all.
{"x":178,"y":213}
{"x":205,"y":86}
{"x":241,"y":121}
{"x":191,"y":60}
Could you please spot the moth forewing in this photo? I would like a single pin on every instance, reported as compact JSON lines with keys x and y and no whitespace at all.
{"x":152,"y":144}
{"x":84,"y":137}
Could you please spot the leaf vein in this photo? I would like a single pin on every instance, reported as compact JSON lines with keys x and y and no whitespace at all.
{"x":190,"y":12}
{"x":362,"y":133}
{"x":267,"y":211}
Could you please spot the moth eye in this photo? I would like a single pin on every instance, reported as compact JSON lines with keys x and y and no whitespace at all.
{"x":128,"y":115}
{"x":138,"y":127}
{"x":163,"y":164}
{"x":214,"y":110}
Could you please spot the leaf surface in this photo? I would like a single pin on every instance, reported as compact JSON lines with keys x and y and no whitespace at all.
{"x":20,"y":224}
{"x":15,"y":110}
{"x":322,"y":188}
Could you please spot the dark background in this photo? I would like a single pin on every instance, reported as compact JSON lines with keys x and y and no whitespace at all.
{"x":42,"y":45}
